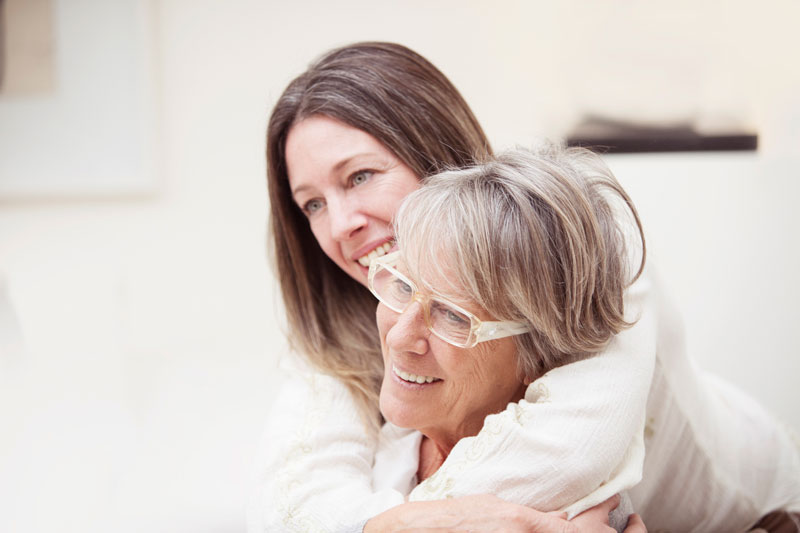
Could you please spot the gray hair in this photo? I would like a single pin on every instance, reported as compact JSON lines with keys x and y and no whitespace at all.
{"x":535,"y":236}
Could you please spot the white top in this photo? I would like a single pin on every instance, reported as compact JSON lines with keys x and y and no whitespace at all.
{"x":715,"y":460}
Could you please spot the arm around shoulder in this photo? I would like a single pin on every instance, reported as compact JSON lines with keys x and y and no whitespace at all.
{"x":577,"y":437}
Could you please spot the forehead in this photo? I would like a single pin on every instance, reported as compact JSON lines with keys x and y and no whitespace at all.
{"x":437,"y":275}
{"x":323,"y":142}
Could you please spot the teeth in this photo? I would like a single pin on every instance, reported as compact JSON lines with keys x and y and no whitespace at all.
{"x":377,"y":252}
{"x":412,"y":378}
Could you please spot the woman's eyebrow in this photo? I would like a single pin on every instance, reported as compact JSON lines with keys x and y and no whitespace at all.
{"x":299,"y":189}
{"x":337,"y":168}
{"x":348,"y":160}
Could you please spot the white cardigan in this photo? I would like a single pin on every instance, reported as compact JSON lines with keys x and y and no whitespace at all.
{"x":715,"y":460}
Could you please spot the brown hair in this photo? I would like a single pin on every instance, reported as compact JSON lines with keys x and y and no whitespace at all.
{"x":401,"y":99}
{"x":538,"y":237}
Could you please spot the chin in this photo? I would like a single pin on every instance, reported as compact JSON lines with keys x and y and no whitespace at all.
{"x":394,"y":411}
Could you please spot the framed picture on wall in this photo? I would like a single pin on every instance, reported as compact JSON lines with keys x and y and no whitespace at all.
{"x":77,"y":99}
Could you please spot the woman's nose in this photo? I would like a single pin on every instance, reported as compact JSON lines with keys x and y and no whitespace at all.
{"x":409,"y":333}
{"x":345,"y":218}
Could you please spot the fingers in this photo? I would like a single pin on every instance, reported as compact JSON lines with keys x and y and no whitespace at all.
{"x":635,"y":525}
{"x":610,"y":504}
{"x":549,"y":523}
{"x":599,"y":513}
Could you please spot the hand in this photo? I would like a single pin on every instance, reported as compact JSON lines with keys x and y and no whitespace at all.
{"x":478,"y":514}
{"x":596,"y":519}
{"x":635,"y":525}
{"x":486,"y":513}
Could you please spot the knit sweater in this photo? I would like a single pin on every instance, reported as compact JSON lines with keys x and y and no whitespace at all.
{"x":715,"y":460}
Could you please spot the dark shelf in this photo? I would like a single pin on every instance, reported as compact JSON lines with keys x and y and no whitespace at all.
{"x":609,"y":136}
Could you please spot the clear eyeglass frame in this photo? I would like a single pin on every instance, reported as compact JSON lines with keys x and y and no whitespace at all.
{"x":479,"y":330}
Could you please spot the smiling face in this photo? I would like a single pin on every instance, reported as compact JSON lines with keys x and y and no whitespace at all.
{"x":349,"y":186}
{"x":444,"y":391}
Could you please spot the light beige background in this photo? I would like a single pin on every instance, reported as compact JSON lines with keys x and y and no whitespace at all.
{"x":138,"y":337}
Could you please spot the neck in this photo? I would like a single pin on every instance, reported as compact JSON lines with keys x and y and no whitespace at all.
{"x":444,"y":438}
{"x":431,"y":457}
{"x":438,"y":442}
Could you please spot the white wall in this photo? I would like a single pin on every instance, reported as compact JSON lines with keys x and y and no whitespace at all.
{"x":134,"y":396}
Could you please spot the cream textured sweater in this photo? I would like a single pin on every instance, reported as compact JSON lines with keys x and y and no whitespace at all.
{"x":715,"y":460}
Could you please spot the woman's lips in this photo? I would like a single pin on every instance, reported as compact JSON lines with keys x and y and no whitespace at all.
{"x":408,"y":377}
{"x":378,"y":251}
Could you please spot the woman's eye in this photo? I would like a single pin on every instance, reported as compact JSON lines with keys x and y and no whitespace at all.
{"x":400,"y":290}
{"x":312,"y":206}
{"x":401,"y":287}
{"x":361,"y":177}
{"x":448,"y":315}
{"x":454,"y":317}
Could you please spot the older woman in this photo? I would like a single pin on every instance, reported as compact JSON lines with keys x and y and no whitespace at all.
{"x":347,"y":141}
{"x":464,"y":331}
{"x":469,"y":240}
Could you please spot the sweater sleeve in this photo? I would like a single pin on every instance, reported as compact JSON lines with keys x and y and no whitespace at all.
{"x":314,"y":464}
{"x":577,"y":437}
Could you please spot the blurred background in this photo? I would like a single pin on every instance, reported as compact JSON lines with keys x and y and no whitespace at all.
{"x":140,"y":324}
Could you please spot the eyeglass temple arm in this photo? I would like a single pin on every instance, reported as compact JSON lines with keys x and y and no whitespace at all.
{"x":498,"y":330}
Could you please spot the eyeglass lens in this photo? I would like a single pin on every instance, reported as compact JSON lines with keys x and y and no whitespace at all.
{"x":444,"y":320}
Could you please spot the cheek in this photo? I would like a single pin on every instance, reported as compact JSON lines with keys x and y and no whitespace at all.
{"x":386,"y":319}
{"x":321,"y":232}
{"x":318,"y":230}
{"x":504,"y":356}
{"x":495,"y":370}
{"x":394,"y":192}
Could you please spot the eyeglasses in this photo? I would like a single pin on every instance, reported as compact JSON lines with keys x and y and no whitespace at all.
{"x":444,"y":319}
